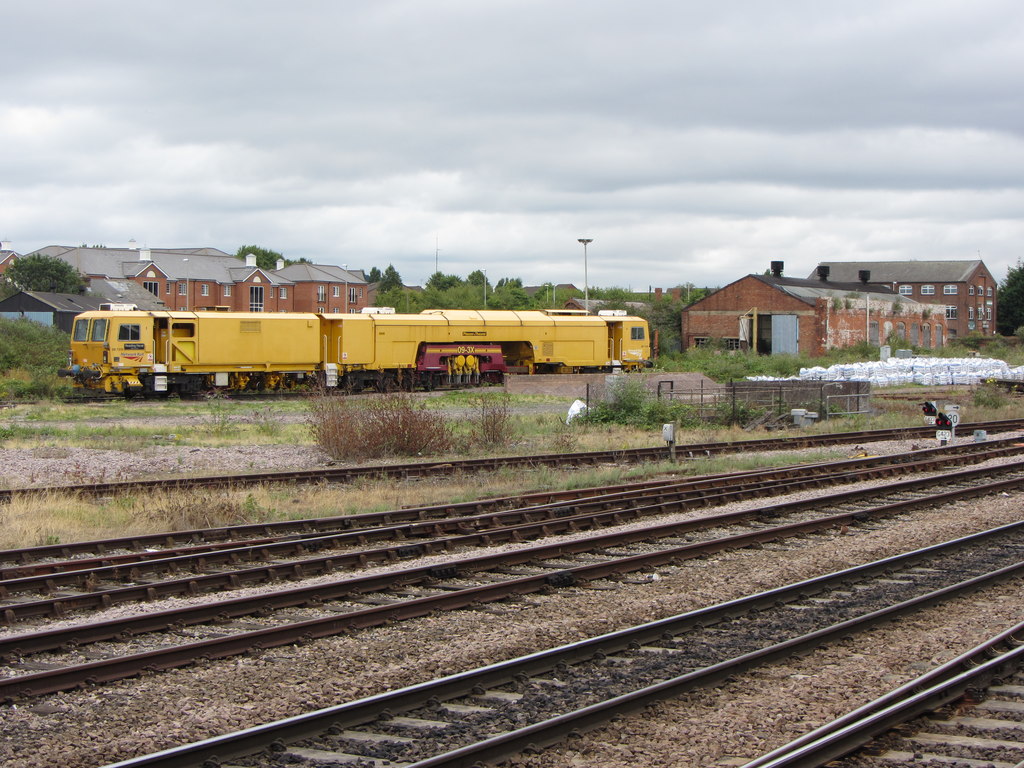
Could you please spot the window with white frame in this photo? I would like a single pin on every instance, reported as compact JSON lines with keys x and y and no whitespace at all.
{"x":906,"y":290}
{"x":284,"y":292}
{"x":353,"y":295}
{"x":182,"y":289}
{"x":227,"y":290}
{"x":951,"y":313}
{"x":321,"y":293}
{"x":927,"y":290}
{"x":970,"y":313}
{"x":970,"y":290}
{"x":337,"y":291}
{"x":950,"y":290}
{"x":204,"y":289}
{"x":989,"y":290}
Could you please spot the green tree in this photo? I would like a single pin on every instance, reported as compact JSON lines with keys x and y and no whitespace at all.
{"x":390,"y":279}
{"x":41,"y":273}
{"x":664,"y":318}
{"x":375,"y":275}
{"x":509,"y":294}
{"x":442,"y":282}
{"x":1011,"y":300}
{"x":265,"y":258}
{"x":402,"y":300}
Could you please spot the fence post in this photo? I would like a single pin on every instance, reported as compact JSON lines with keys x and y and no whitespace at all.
{"x":732,"y":386}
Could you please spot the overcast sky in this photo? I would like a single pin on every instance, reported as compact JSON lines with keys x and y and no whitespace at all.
{"x":695,"y":142}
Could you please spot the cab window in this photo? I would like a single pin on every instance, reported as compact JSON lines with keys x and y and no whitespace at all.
{"x":636,"y":333}
{"x":99,"y":330}
{"x":129,"y":333}
{"x":81,"y":330}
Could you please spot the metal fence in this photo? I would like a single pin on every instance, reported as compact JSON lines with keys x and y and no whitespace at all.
{"x":727,"y":402}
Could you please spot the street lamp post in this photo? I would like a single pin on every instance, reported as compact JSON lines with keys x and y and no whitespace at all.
{"x":485,"y":288}
{"x":345,"y":267}
{"x":586,"y":282}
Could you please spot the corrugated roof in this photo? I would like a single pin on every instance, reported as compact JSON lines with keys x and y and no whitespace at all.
{"x":123,"y":292}
{"x":67,"y":302}
{"x":809,"y":291}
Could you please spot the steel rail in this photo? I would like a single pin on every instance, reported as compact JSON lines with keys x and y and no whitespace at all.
{"x":426,"y":469}
{"x":194,"y":584}
{"x":112,"y":669}
{"x":308,"y":725}
{"x":703,"y":491}
{"x":973,"y":670}
{"x":234,"y":536}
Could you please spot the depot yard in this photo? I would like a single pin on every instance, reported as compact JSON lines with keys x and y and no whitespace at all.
{"x":91,"y":727}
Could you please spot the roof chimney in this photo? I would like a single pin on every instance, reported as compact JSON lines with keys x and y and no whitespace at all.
{"x":823,"y":273}
{"x":280,"y":263}
{"x":5,"y":245}
{"x":777,"y":268}
{"x":250,"y":259}
{"x":864,"y":275}
{"x":145,"y":254}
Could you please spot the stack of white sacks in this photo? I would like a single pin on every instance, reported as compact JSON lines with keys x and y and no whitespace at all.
{"x":916,"y":370}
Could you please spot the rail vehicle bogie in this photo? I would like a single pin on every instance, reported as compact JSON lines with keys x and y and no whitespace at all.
{"x":160,"y":352}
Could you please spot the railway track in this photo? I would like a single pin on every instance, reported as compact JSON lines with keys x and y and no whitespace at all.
{"x":965,"y":712}
{"x":446,"y":468}
{"x":36,"y":569}
{"x":93,"y":585}
{"x":526,"y":703}
{"x":58,"y":659}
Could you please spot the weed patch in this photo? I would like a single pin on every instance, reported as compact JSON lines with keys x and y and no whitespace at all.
{"x":386,"y":426}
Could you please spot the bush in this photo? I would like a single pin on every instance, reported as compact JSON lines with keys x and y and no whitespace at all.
{"x":631,"y":404}
{"x":493,"y":426}
{"x":990,"y":396}
{"x":33,"y":347}
{"x":30,"y":355}
{"x":378,"y":427}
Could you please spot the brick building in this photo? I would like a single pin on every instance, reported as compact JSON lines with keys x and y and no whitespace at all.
{"x":966,"y":289}
{"x":207,"y":279}
{"x":782,"y":315}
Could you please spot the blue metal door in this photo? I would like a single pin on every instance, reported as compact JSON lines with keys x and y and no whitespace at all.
{"x":785,"y":335}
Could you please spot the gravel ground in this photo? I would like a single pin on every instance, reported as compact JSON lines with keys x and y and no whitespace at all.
{"x":756,"y":712}
{"x":47,"y":466}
